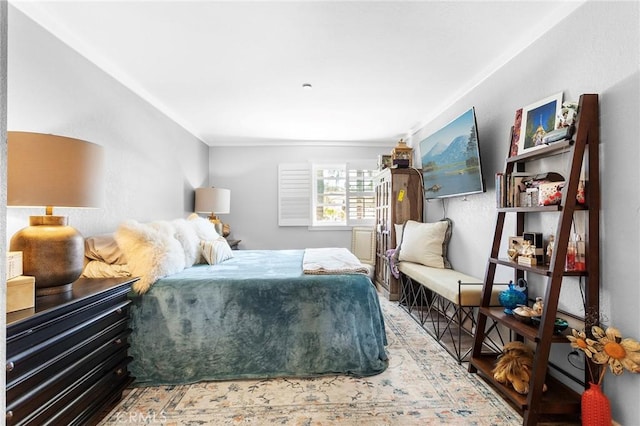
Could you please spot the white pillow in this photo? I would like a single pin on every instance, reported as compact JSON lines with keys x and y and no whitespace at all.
{"x":425,"y":243}
{"x":216,"y":251}
{"x":151,"y":250}
{"x":205,"y":232}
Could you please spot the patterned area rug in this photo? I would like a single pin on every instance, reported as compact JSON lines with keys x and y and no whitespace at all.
{"x":422,"y":386}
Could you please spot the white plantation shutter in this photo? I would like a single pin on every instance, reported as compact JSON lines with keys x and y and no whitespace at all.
{"x":294,"y":194}
{"x":361,"y":197}
{"x":297,"y":186}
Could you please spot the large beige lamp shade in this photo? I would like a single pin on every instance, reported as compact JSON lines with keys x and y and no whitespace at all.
{"x":213,"y":201}
{"x":52,"y":171}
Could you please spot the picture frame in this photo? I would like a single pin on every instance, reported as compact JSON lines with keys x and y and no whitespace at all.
{"x":538,"y":119}
{"x":515,"y":133}
{"x":384,"y":161}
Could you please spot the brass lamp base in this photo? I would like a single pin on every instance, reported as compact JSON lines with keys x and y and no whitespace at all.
{"x":52,"y":252}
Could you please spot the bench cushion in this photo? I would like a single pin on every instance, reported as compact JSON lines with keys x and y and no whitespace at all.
{"x":445,"y":283}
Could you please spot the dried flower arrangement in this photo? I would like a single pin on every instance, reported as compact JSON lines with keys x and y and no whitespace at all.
{"x":608,"y":347}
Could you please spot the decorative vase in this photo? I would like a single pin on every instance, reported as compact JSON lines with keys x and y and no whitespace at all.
{"x":512,"y":297}
{"x":596,"y":410}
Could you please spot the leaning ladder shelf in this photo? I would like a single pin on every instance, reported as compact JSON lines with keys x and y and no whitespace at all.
{"x":558,"y":399}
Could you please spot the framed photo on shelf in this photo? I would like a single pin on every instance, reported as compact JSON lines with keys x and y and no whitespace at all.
{"x":538,"y":119}
{"x":515,"y":133}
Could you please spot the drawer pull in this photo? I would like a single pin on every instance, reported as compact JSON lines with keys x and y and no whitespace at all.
{"x":118,"y":341}
{"x":9,"y":415}
{"x":119,"y":372}
{"x":10,"y":366}
{"x":119,"y":311}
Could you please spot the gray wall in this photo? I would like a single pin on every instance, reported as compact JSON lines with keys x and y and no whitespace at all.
{"x":595,"y":50}
{"x":251,"y":173}
{"x":152,"y":164}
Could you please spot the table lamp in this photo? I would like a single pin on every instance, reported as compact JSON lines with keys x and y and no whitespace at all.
{"x":52,"y":171}
{"x":214,"y":201}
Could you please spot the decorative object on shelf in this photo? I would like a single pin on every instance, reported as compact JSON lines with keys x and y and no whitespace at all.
{"x":514,"y":366}
{"x":52,"y":171}
{"x":556,"y":135}
{"x":538,"y":306}
{"x":214,"y":201}
{"x":515,"y":243}
{"x":538,"y":119}
{"x":513,"y":252}
{"x":581,"y":261}
{"x":596,"y":409}
{"x":402,"y":155}
{"x":537,"y":245}
{"x":550,"y":248}
{"x":568,"y":115}
{"x":525,"y":314}
{"x":527,"y":254}
{"x":570,"y":263}
{"x":606,"y":348}
{"x":560,"y":325}
{"x":384,"y":161}
{"x":513,"y":296}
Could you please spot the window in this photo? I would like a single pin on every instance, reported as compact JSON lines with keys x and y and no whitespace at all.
{"x":326,"y":194}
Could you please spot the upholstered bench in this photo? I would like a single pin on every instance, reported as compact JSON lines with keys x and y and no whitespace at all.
{"x":444,"y":302}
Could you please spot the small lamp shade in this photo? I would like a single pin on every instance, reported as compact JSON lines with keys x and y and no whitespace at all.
{"x":214,"y":201}
{"x":52,"y":171}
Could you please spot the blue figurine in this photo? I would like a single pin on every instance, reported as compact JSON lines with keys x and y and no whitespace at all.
{"x":515,"y":295}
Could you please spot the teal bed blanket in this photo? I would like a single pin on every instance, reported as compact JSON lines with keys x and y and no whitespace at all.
{"x":256,"y":316}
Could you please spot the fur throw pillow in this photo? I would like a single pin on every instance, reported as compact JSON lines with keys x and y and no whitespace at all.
{"x":152,"y":251}
{"x":188,"y":238}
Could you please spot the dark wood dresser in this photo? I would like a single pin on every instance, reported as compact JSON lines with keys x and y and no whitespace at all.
{"x":67,"y":357}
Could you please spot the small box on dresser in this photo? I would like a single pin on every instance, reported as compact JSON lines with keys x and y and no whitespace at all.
{"x":14,"y":264}
{"x":21,"y":293}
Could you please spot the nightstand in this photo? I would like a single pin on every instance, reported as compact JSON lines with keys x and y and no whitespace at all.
{"x":67,"y":357}
{"x":233,"y":244}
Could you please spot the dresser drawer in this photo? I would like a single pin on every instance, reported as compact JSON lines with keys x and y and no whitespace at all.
{"x":50,"y":399}
{"x":59,"y":346}
{"x":105,"y":342}
{"x":25,"y":335}
{"x":96,"y":398}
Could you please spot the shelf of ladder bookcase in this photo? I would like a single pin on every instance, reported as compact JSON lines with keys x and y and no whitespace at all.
{"x":537,"y":269}
{"x":558,"y":399}
{"x":529,"y":331}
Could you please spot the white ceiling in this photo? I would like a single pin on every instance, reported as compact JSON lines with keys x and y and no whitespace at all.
{"x":232,"y":72}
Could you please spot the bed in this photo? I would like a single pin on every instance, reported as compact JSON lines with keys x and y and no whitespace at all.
{"x":255,"y":315}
